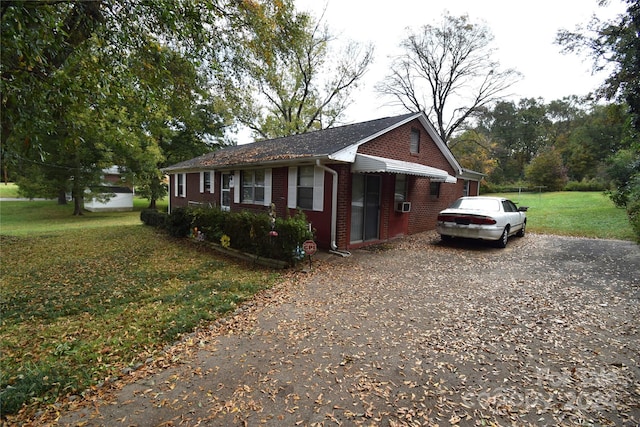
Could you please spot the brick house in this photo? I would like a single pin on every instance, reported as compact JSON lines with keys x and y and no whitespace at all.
{"x":357,"y":184}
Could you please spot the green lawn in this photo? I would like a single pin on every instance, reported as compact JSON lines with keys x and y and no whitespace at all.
{"x":584,"y":214}
{"x":83,"y":298}
{"x":8,"y":190}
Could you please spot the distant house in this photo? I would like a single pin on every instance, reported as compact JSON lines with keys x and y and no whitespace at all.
{"x":358,"y":184}
{"x":121,"y":195}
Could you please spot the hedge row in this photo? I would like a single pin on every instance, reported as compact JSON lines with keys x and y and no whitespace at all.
{"x":258,"y":234}
{"x":584,"y":185}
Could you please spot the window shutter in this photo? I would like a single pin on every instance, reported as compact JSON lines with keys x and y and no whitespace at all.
{"x":237,"y":187}
{"x":175,"y":185}
{"x":292,"y":194}
{"x":202,"y":182}
{"x":212,"y":181}
{"x":267,"y":187}
{"x":318,"y":189}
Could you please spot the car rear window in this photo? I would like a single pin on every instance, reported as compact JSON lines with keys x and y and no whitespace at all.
{"x":477,"y":204}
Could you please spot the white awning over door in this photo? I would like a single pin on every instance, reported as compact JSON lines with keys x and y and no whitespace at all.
{"x":372,"y":164}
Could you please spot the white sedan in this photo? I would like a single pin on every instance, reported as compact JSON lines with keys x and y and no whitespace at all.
{"x":486,"y":218}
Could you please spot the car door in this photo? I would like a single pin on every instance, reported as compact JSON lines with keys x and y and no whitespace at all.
{"x":515,"y":217}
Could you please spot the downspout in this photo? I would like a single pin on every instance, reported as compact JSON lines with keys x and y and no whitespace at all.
{"x":334,"y":210}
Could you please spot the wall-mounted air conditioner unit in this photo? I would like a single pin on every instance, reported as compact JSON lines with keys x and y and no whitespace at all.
{"x":403,"y":207}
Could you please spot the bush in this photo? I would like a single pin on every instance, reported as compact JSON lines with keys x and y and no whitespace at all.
{"x":211,"y":222}
{"x":488,"y":187}
{"x":633,"y":206}
{"x":179,"y":222}
{"x":245,"y":231}
{"x":592,"y":184}
{"x":153,"y":217}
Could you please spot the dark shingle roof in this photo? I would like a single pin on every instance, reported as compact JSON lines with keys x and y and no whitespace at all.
{"x":308,"y":145}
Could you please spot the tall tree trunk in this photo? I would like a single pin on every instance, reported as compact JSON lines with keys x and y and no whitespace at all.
{"x":62,"y":197}
{"x":77,"y":206}
{"x":152,"y":203}
{"x":77,"y":192}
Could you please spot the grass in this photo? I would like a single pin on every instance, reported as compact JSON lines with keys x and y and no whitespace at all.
{"x":9,"y":190}
{"x":580,"y":214}
{"x":83,"y":298}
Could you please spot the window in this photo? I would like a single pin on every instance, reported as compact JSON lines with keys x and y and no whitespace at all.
{"x":415,"y":141}
{"x":434,"y":189}
{"x":305,"y":187}
{"x":465,"y":191}
{"x":508,"y":206}
{"x":401,"y":188}
{"x":253,"y":186}
{"x":206,"y":182}
{"x":181,"y":190}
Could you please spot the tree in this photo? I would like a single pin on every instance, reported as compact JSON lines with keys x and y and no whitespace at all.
{"x":612,"y":45}
{"x":476,"y":151}
{"x":616,"y":45}
{"x":546,"y":170}
{"x":293,"y":82}
{"x":520,"y":130}
{"x":448,"y":72}
{"x":93,"y":81}
{"x":592,"y":139}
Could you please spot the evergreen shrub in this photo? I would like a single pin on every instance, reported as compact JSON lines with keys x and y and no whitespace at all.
{"x":245,"y":231}
{"x":153,"y":217}
{"x":586,"y":185}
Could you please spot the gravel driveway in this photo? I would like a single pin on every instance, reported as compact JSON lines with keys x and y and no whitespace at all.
{"x":415,"y":332}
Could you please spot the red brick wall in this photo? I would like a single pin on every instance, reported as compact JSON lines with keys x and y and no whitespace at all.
{"x":424,"y":207}
{"x":344,"y":205}
{"x":193,"y":193}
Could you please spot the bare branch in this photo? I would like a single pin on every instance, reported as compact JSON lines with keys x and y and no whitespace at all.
{"x":451,"y":65}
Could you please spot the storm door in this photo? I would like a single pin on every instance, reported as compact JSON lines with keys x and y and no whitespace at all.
{"x":225,"y":193}
{"x":365,"y":207}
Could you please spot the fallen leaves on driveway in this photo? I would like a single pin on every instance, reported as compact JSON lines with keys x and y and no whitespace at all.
{"x":408,"y":334}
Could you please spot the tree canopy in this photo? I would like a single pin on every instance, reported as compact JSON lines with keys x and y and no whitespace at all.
{"x":292,"y":81}
{"x":447,"y":71}
{"x":89,"y":85}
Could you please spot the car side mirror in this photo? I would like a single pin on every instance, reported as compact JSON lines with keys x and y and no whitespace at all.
{"x":523,"y":208}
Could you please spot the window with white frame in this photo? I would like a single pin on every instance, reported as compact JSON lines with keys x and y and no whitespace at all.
{"x":415,"y":141}
{"x":181,"y":185}
{"x":305,"y":187}
{"x":206,"y":182}
{"x":253,"y":184}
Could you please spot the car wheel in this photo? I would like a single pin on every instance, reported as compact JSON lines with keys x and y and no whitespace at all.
{"x":522,"y":230}
{"x":502,"y":242}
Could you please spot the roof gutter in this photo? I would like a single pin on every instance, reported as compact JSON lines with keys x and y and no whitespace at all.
{"x":334,"y":210}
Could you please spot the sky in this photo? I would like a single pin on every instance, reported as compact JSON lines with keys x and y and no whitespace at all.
{"x":524,"y":34}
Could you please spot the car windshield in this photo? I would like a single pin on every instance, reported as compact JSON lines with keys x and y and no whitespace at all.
{"x":477,"y":204}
